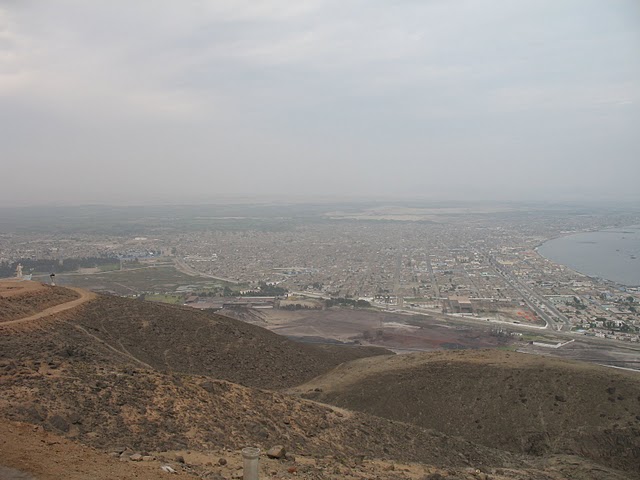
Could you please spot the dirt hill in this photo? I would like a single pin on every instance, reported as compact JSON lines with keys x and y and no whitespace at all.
{"x":22,"y":299}
{"x":185,"y":340}
{"x":162,"y":415}
{"x":155,"y":412}
{"x":126,"y":376}
{"x":515,"y":402}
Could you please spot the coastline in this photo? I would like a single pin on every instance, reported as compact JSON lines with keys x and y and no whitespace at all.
{"x":614,"y":283}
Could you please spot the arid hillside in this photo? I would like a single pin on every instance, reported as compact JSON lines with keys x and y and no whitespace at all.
{"x":148,"y":411}
{"x":184,"y":388}
{"x":515,"y":402}
{"x":183,"y":340}
{"x":22,"y":299}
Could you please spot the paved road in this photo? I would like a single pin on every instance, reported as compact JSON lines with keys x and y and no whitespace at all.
{"x":106,"y":272}
{"x":545,"y":310}
{"x":192,"y":272}
{"x":432,"y":276}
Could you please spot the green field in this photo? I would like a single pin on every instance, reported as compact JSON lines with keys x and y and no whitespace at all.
{"x":164,"y":280}
{"x":165,"y":298}
{"x":111,"y":267}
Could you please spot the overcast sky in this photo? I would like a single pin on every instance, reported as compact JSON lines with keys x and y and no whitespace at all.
{"x":187,"y":101}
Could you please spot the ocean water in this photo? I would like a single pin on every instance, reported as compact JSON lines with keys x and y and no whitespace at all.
{"x":612,"y":254}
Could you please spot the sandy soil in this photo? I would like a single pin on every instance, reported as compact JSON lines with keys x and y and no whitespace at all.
{"x":47,"y":456}
{"x":29,"y":453}
{"x":11,"y":288}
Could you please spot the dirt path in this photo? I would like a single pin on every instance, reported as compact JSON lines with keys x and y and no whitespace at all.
{"x":85,"y":296}
{"x":102,"y":342}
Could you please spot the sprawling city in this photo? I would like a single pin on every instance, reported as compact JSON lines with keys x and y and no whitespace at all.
{"x":320,"y":240}
{"x":474,"y":264}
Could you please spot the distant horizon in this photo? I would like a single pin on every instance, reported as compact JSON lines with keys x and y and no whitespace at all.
{"x":58,"y":197}
{"x":264,"y":200}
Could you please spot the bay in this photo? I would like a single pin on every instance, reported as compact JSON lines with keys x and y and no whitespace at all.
{"x":612,"y":254}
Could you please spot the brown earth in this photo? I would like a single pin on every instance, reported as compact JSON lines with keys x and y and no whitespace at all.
{"x":390,"y":330}
{"x":510,"y":401}
{"x":15,"y":287}
{"x":47,"y":456}
{"x":19,"y":300}
{"x":115,"y":373}
{"x":201,"y":419}
{"x":181,"y":339}
{"x":148,"y":411}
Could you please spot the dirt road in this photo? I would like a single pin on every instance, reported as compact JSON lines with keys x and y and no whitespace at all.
{"x":85,"y":296}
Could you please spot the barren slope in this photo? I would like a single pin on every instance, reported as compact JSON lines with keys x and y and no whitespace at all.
{"x":47,"y":456}
{"x":116,"y":407}
{"x":65,"y":380}
{"x":28,"y":452}
{"x":516,"y":402}
{"x":116,"y":372}
{"x":181,"y":339}
{"x":151,"y":411}
{"x":23,"y":299}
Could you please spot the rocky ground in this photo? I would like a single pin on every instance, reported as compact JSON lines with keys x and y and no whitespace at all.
{"x":505,"y":400}
{"x":105,"y":407}
{"x":120,"y":388}
{"x":30,"y":452}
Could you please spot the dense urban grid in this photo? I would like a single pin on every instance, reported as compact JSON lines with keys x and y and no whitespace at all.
{"x":482,"y":265}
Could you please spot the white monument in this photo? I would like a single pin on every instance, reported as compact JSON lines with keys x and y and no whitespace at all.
{"x":19,"y":271}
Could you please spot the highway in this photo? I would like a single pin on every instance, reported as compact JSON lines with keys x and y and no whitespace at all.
{"x":192,"y":272}
{"x":536,"y":302}
{"x":432,"y":276}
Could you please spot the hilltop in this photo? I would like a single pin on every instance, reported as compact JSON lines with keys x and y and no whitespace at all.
{"x":22,"y":299}
{"x":120,"y":375}
{"x":515,"y":402}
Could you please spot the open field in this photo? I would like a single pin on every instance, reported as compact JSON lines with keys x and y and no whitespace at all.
{"x":404,"y":332}
{"x":600,"y":352}
{"x":165,"y":298}
{"x":395,"y":331}
{"x":508,"y":314}
{"x":159,"y":279}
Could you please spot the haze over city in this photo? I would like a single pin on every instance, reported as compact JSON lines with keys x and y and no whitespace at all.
{"x":173,"y":102}
{"x":320,"y":240}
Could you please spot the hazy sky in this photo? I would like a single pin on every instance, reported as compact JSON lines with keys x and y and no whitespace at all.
{"x":122,"y":101}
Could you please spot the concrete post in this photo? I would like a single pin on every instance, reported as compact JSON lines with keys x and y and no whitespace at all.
{"x":250,"y":457}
